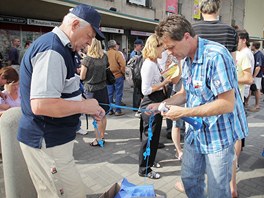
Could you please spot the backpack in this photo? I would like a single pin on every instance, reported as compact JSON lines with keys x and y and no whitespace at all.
{"x":135,"y":63}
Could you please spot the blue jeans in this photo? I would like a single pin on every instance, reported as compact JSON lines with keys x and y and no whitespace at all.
{"x":116,"y":89}
{"x":218,"y":167}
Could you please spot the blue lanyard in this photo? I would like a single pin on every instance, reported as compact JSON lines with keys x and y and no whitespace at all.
{"x":146,"y":154}
{"x":196,"y":122}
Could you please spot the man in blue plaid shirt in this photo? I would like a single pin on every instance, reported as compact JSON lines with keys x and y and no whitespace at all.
{"x":210,"y":91}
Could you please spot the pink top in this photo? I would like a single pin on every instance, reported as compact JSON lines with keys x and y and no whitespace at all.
{"x":10,"y":101}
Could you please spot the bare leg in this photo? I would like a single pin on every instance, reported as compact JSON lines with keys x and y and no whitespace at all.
{"x":257,"y":98}
{"x":247,"y":99}
{"x":101,"y":127}
{"x":176,"y":138}
{"x":238,"y":146}
{"x":233,"y":184}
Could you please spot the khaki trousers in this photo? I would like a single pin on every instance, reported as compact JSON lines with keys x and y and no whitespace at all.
{"x":53,"y":171}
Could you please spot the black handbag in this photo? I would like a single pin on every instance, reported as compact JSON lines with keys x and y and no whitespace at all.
{"x":110,"y":78}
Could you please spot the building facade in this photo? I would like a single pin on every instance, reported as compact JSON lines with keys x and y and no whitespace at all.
{"x":254,"y":21}
{"x":122,"y":20}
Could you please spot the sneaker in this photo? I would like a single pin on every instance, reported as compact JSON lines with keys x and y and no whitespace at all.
{"x":119,"y":113}
{"x":111,"y":112}
{"x":82,"y":132}
{"x":156,"y":165}
{"x":150,"y":175}
{"x":138,"y":114}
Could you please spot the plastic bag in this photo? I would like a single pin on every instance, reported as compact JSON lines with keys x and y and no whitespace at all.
{"x":128,"y":190}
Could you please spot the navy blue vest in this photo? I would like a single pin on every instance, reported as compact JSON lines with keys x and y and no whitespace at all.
{"x":32,"y":128}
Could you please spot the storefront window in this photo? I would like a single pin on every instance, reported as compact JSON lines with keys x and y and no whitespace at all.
{"x":24,"y":33}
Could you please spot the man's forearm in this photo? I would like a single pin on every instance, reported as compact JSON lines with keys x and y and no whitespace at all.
{"x":223,"y":104}
{"x":177,"y":99}
{"x":55,"y":107}
{"x":257,"y":69}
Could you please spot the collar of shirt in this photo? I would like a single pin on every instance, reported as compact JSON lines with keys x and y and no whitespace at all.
{"x":198,"y":57}
{"x":64,"y":39}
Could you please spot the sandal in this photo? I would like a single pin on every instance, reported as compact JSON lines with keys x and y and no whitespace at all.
{"x":94,"y":143}
{"x":150,"y":175}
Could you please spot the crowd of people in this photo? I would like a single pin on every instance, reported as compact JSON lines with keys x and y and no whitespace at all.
{"x":217,"y":74}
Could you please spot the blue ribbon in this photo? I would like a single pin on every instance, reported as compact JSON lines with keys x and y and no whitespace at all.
{"x":195,"y":122}
{"x":146,"y":154}
{"x":150,"y":134}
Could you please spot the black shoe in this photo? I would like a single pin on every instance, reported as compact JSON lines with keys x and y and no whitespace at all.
{"x":168,"y":135}
{"x":161,"y":145}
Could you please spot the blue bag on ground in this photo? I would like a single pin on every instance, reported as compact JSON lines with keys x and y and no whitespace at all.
{"x":131,"y":190}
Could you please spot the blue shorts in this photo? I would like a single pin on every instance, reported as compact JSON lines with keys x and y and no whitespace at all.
{"x":178,"y":123}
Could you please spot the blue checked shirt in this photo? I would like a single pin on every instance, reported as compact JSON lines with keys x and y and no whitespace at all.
{"x":211,"y":73}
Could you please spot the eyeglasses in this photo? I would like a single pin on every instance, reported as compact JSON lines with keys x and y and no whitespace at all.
{"x":159,"y":44}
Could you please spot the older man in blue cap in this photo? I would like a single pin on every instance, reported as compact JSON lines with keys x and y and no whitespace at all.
{"x":138,"y":46}
{"x":51,"y":103}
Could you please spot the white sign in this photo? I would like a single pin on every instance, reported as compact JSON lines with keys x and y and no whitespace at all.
{"x":139,"y":33}
{"x":112,"y":30}
{"x":43,"y":23}
{"x":138,"y":2}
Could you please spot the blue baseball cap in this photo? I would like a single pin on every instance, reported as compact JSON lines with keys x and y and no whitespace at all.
{"x":90,"y":15}
{"x":138,"y":42}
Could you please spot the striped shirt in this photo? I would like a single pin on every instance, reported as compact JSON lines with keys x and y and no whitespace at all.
{"x":211,"y":73}
{"x":218,"y":32}
{"x":48,"y":71}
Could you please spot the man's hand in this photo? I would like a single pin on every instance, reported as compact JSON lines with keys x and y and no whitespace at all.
{"x":152,"y":108}
{"x":92,"y":107}
{"x":174,"y":112}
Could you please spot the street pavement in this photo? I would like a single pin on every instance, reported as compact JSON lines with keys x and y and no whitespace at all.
{"x":100,"y":168}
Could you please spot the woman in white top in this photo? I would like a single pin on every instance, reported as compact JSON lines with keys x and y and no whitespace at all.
{"x":12,"y":96}
{"x":153,"y":90}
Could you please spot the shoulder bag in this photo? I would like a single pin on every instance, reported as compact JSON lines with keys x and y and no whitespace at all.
{"x":110,"y":78}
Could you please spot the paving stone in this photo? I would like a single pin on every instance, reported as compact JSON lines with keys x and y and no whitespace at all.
{"x":102,"y":167}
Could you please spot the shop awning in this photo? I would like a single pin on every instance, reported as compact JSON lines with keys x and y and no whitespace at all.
{"x":54,"y":10}
{"x":255,"y":38}
{"x":115,"y":19}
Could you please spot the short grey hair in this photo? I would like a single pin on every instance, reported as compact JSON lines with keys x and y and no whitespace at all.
{"x":209,"y":6}
{"x":69,"y":18}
